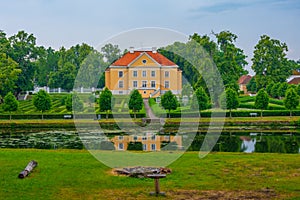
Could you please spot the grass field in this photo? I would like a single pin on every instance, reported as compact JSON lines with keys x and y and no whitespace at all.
{"x":71,"y":174}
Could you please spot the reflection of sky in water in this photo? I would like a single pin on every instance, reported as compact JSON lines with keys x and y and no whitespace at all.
{"x":249,"y":146}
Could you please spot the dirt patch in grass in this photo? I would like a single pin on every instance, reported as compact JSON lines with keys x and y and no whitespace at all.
{"x":223,"y":195}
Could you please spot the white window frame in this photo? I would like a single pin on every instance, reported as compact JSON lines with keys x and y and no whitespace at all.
{"x":144,"y":85}
{"x":144,"y":147}
{"x":135,"y":85}
{"x":135,"y":73}
{"x":121,"y":146}
{"x":120,"y":74}
{"x":153,"y":73}
{"x":121,"y":84}
{"x":144,"y":73}
{"x":153,"y":145}
{"x":154,"y":84}
{"x":167,"y":84}
{"x":167,"y":74}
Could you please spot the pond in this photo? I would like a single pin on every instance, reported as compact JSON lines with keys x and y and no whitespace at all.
{"x":249,"y":142}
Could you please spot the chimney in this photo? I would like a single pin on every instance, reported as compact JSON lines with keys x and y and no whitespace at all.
{"x":154,"y":50}
{"x":131,"y":49}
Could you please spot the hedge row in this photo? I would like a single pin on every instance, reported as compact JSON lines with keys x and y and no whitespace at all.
{"x":270,"y":107}
{"x":237,"y":113}
{"x":66,"y":116}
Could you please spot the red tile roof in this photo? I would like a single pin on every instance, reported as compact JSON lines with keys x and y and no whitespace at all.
{"x":245,"y":79}
{"x":294,"y":81}
{"x":129,"y":57}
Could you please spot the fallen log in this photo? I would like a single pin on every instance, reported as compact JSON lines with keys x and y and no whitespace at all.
{"x":31,"y":165}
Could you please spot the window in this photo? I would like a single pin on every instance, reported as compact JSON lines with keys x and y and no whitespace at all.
{"x":153,"y":147}
{"x":153,"y":137}
{"x":153,"y":84}
{"x":167,"y":84}
{"x":135,"y":138}
{"x":120,"y":74}
{"x":145,"y":147}
{"x":152,"y":73}
{"x":121,"y":146}
{"x":144,"y":73}
{"x":135,"y":84}
{"x":144,"y":138}
{"x":144,"y":61}
{"x":120,"y":92}
{"x":144,"y":84}
{"x":167,"y":74}
{"x":121,"y":84}
{"x":120,"y":137}
{"x":134,"y":73}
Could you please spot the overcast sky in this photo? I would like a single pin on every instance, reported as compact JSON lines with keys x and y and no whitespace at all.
{"x":59,"y":23}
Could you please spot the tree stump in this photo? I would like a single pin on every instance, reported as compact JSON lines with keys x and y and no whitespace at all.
{"x":31,"y":165}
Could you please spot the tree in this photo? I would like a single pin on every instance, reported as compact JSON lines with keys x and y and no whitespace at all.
{"x":64,"y":77}
{"x":10,"y":104}
{"x":73,"y":103}
{"x":269,"y":88}
{"x":261,"y":100}
{"x":111,"y":52}
{"x":46,"y":64}
{"x":274,"y":90}
{"x":251,"y":86}
{"x":42,"y":101}
{"x":24,"y":51}
{"x":9,"y":73}
{"x":291,"y":100}
{"x":269,"y":62}
{"x":229,"y":100}
{"x":106,"y":101}
{"x":169,"y":101}
{"x":282,"y":89}
{"x":135,"y":102}
{"x":200,"y":100}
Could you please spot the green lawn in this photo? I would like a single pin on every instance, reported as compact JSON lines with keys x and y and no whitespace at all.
{"x":71,"y":174}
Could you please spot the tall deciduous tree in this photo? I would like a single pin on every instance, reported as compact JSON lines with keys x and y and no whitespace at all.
{"x":111,"y":52}
{"x":229,"y":100}
{"x":9,"y":73}
{"x":275,"y":90}
{"x":42,"y":101}
{"x":10,"y":104}
{"x":200,"y":100}
{"x":291,"y":100}
{"x":24,"y":51}
{"x":135,"y":102}
{"x":106,"y":101}
{"x":269,"y":62}
{"x":169,"y":101}
{"x":261,"y":100}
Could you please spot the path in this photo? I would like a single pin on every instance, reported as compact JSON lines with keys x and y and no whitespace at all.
{"x":148,"y":109}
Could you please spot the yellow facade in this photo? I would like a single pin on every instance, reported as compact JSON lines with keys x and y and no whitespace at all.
{"x":150,"y":142}
{"x":145,"y":74}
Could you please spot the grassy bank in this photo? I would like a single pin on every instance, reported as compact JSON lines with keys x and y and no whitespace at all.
{"x":280,"y":122}
{"x":70,"y":174}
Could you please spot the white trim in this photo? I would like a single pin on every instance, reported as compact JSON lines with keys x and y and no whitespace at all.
{"x":143,"y":53}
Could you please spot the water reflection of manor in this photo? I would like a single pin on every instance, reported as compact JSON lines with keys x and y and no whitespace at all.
{"x":150,"y":141}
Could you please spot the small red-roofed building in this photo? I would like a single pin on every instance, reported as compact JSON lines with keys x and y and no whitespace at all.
{"x":243,"y":81}
{"x":147,"y":71}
